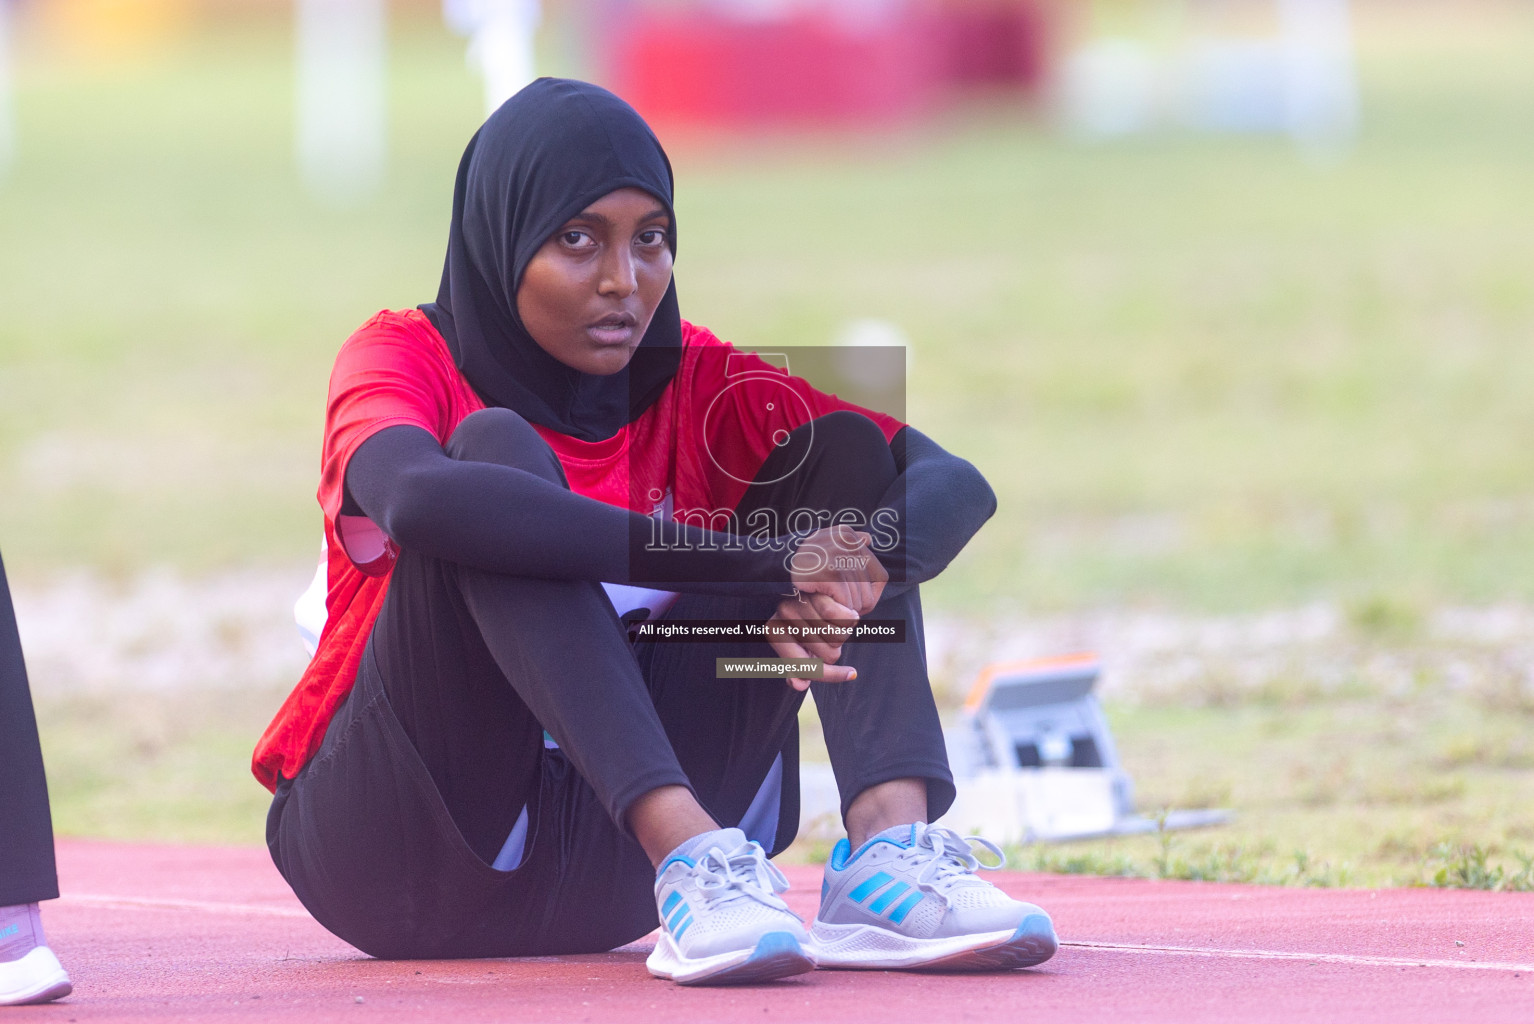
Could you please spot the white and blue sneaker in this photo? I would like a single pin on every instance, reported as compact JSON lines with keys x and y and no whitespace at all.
{"x":722,"y":922}
{"x":909,"y":898}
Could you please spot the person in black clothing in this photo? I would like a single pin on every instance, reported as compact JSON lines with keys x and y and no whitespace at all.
{"x":510,"y":774}
{"x":29,"y":971}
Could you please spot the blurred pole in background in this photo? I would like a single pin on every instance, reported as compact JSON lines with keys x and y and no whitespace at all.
{"x":501,"y":35}
{"x":1321,"y":94}
{"x":341,"y":82}
{"x":7,"y":117}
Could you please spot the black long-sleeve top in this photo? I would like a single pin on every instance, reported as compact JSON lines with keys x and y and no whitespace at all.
{"x":512,"y":521}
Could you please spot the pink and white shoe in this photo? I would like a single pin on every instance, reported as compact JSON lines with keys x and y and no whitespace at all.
{"x":29,"y":972}
{"x":37,"y":977}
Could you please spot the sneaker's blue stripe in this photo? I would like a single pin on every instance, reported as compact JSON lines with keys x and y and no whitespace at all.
{"x":887,"y":897}
{"x":676,"y":916}
{"x":869,"y":887}
{"x":670,"y":904}
{"x":898,"y":914}
{"x":677,"y":935}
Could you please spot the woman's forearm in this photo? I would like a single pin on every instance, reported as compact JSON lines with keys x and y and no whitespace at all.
{"x":511,"y":521}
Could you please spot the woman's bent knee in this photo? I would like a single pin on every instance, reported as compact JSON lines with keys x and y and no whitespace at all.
{"x":504,"y":438}
{"x":849,"y":461}
{"x":851,"y":432}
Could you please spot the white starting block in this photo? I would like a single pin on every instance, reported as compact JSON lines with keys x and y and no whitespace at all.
{"x":1032,"y":758}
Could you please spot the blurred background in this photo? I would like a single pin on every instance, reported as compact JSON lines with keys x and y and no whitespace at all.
{"x":1231,"y":300}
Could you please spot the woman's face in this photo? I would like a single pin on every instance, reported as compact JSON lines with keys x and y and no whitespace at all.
{"x":588,"y":294}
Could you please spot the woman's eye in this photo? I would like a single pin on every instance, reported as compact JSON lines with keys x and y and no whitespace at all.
{"x":574,"y":238}
{"x":654,"y":236}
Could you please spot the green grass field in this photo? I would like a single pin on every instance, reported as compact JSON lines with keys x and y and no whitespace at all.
{"x":1361,"y":789}
{"x":1203,"y":374}
{"x":1199,"y":371}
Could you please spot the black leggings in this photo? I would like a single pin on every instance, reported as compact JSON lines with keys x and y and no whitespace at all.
{"x":387,"y":836}
{"x":27,"y":872}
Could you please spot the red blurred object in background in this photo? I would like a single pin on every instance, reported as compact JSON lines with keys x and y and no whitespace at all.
{"x":706,"y":66}
{"x":709,"y":65}
{"x":996,"y":42}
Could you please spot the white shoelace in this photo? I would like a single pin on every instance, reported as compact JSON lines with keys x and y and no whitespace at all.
{"x":947,"y":858}
{"x":745,"y":871}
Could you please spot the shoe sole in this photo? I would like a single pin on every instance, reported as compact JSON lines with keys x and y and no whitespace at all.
{"x":776,"y":955}
{"x":867,"y":947}
{"x":39,"y":979}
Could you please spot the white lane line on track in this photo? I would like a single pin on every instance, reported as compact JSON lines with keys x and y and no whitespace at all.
{"x":1319,"y":958}
{"x":156,"y":903}
{"x":260,"y":910}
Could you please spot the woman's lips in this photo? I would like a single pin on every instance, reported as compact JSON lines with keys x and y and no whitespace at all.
{"x":613,"y":330}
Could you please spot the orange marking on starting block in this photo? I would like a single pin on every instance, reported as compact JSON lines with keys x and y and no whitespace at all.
{"x":990,"y":673}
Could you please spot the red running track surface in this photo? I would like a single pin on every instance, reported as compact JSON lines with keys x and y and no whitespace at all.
{"x":162,"y":933}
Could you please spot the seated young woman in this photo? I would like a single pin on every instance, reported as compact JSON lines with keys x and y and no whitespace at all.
{"x":480,"y":760}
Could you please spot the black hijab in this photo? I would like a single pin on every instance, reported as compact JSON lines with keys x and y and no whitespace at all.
{"x":548,"y":153}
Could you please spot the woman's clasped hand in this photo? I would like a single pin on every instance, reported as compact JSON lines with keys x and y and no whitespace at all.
{"x":838,"y":579}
